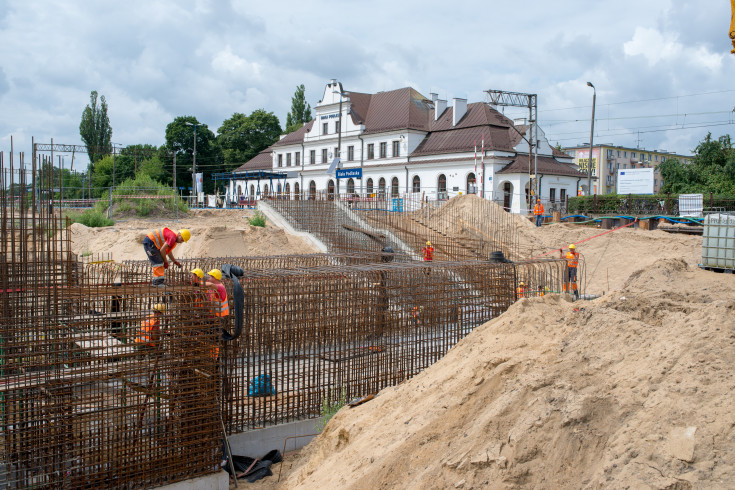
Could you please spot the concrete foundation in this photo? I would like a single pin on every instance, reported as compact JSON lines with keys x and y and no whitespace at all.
{"x":256,"y":443}
{"x":216,"y":481}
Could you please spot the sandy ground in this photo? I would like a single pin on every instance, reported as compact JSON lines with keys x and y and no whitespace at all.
{"x":213,"y":234}
{"x":632,"y":390}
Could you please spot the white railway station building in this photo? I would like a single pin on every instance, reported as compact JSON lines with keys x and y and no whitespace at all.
{"x":400,"y":142}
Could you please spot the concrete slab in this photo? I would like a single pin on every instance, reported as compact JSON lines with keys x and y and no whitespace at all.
{"x":215,"y":481}
{"x":256,"y":443}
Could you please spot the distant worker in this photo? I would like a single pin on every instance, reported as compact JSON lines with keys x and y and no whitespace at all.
{"x":542,"y":291}
{"x":521,"y":290}
{"x":150,"y":328}
{"x":428,"y":252}
{"x":538,"y":211}
{"x":570,"y":276}
{"x":158,"y":245}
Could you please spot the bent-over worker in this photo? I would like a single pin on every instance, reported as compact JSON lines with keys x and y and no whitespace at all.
{"x":570,"y":275}
{"x":159,"y":246}
{"x":150,"y":328}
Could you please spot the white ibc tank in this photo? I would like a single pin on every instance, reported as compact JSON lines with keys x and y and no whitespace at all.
{"x":718,"y":241}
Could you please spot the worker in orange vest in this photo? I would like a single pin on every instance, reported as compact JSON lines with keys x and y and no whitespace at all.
{"x":218,"y":296}
{"x":538,"y":212}
{"x":150,"y":328}
{"x":521,"y":290}
{"x":428,"y":252}
{"x":570,"y":276}
{"x":158,"y":245}
{"x":197,"y":277}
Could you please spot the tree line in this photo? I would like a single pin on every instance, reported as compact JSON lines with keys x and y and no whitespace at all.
{"x":238,"y":139}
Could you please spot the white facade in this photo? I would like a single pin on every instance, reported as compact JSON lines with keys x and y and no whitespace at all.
{"x":388,"y":161}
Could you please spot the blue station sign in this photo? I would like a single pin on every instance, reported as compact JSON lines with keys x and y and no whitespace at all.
{"x":347,"y":173}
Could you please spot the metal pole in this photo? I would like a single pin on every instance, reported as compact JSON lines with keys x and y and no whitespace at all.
{"x":592,"y":133}
{"x":175,"y":189}
{"x":113,"y":165}
{"x":194,"y":167}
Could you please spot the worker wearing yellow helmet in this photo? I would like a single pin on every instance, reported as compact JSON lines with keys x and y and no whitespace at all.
{"x":428,"y":252}
{"x":521,"y":290}
{"x":150,"y":328}
{"x":570,"y":274}
{"x":159,"y":246}
{"x":219,"y":293}
{"x":197,"y":277}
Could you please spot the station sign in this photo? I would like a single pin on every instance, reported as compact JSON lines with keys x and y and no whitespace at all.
{"x":347,"y":173}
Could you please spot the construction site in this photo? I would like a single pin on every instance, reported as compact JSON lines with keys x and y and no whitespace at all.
{"x":623,"y":379}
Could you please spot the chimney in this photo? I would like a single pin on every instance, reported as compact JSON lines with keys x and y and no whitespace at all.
{"x":520,"y":121}
{"x":434,"y":96}
{"x":460,"y":109}
{"x":439,"y":106}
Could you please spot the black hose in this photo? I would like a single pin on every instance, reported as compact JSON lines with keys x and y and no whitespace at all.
{"x":234,"y":273}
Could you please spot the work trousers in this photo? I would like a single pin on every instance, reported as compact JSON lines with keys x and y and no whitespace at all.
{"x":156,"y":259}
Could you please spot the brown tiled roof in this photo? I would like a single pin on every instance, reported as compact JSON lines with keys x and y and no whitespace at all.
{"x":360,"y":104}
{"x":558,"y":153}
{"x":546,"y":166}
{"x":261,"y":161}
{"x":295,"y":136}
{"x":404,"y":108}
{"x":478,"y":114}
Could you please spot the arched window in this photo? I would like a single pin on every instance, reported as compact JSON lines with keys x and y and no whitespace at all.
{"x":416,"y":184}
{"x":312,"y":190}
{"x":370,"y":186}
{"x":442,"y":186}
{"x":471,"y":184}
{"x":394,"y":187}
{"x":330,"y":189}
{"x":381,"y":187}
{"x":265,"y":190}
{"x":279,"y":189}
{"x":288,"y":190}
{"x":351,"y":186}
{"x":296,"y":193}
{"x":239,"y":190}
{"x":252,"y":191}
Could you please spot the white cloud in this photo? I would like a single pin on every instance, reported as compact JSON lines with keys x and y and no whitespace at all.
{"x":657,"y":47}
{"x":239,"y":68}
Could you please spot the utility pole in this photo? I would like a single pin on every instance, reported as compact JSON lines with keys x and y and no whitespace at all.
{"x":592,"y":134}
{"x":194,"y":164}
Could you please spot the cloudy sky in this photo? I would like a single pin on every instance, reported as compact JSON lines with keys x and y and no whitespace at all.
{"x":662,"y":68}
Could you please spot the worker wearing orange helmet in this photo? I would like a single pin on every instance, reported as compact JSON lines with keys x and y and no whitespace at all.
{"x":158,"y":246}
{"x":538,"y":212}
{"x":570,"y":275}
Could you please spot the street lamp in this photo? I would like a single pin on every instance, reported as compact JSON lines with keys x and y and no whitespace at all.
{"x":194,"y":165}
{"x":592,"y":132}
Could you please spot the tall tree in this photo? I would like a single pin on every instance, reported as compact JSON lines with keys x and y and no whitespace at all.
{"x":712,"y":169}
{"x":180,"y":140}
{"x":242,"y":137}
{"x":95,"y":128}
{"x":300,"y":111}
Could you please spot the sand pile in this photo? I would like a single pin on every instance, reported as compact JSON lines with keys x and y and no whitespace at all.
{"x":634,"y":389}
{"x":214,"y":234}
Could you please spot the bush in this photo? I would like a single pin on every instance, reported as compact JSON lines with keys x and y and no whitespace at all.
{"x":166,"y":199}
{"x":329,"y":408}
{"x":641,"y":205}
{"x":258,"y":219}
{"x":90,"y":217}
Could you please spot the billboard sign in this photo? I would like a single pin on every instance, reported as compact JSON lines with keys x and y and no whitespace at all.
{"x":583,"y":158}
{"x":635,"y":181}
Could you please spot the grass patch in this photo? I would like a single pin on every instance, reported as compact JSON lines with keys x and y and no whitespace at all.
{"x":90,"y":217}
{"x":330,"y":406}
{"x":258,"y":219}
{"x":144,"y":197}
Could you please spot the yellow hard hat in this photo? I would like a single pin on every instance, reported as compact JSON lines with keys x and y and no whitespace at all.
{"x":198,"y":272}
{"x":572,"y":246}
{"x":160,"y":307}
{"x":521,"y":283}
{"x":216,"y":273}
{"x":428,"y":244}
{"x":185,"y":234}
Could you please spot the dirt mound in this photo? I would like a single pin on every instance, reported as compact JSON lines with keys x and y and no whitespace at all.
{"x":635,"y":389}
{"x":214,"y":234}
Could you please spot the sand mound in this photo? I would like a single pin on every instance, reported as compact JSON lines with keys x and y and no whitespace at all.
{"x":214,"y":234}
{"x":635,"y":389}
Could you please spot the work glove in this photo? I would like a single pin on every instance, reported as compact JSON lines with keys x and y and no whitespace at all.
{"x":177,"y":263}
{"x":165,"y":265}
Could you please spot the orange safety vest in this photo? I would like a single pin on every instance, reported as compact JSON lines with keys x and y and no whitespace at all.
{"x":521,"y":292}
{"x":157,"y":237}
{"x":538,"y":209}
{"x":149,"y":330}
{"x":222,"y":307}
{"x":428,"y":253}
{"x":572,"y":259}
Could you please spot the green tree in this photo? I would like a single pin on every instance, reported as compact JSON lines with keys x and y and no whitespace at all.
{"x":300,"y":111}
{"x":711,"y":171}
{"x":242,"y":137}
{"x":95,"y":128}
{"x":180,"y":140}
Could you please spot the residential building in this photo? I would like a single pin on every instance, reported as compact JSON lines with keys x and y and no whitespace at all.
{"x":613,"y":158}
{"x":400,"y":142}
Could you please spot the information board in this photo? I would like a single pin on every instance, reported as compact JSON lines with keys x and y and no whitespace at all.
{"x":635,"y":181}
